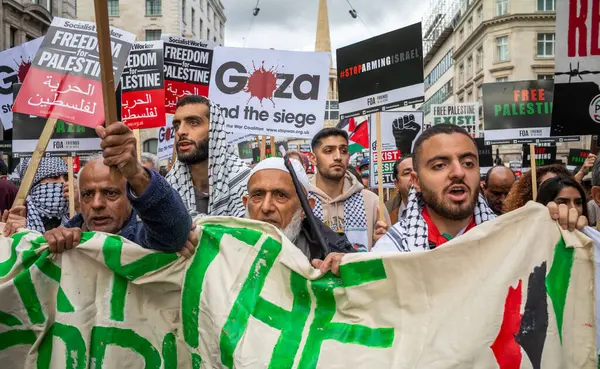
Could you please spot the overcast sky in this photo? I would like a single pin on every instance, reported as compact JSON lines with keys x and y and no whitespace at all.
{"x":292,"y":24}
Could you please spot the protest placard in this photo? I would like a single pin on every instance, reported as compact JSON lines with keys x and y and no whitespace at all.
{"x":166,"y":140}
{"x":14,"y":65}
{"x":381,"y":73}
{"x":577,"y":157}
{"x":293,"y":147}
{"x":305,"y":148}
{"x":67,"y":139}
{"x":464,"y":115}
{"x":517,"y":110}
{"x":270,"y":92}
{"x":577,"y":65}
{"x":248,"y":298}
{"x":187,"y":68}
{"x":142,"y":86}
{"x":245,"y":150}
{"x":543,"y":156}
{"x":486,"y":157}
{"x":64,"y":79}
{"x":399,"y":131}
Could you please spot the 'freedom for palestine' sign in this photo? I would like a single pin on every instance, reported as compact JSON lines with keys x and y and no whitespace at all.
{"x":64,"y":79}
{"x":517,"y":110}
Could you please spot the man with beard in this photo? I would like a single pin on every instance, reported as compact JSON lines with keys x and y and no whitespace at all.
{"x":403,"y":169}
{"x":341,"y":201}
{"x":207,"y":175}
{"x":444,"y":201}
{"x":498,"y":181}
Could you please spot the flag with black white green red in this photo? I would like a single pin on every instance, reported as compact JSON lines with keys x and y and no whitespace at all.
{"x":358,"y":133}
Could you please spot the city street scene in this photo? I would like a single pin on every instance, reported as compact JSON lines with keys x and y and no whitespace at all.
{"x":284,"y":184}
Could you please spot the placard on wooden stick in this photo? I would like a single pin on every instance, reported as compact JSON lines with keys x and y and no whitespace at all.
{"x":138,"y":144}
{"x":71,"y":185}
{"x":533,"y":171}
{"x":381,"y":206}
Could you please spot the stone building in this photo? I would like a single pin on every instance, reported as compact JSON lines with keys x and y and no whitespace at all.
{"x":25,"y":20}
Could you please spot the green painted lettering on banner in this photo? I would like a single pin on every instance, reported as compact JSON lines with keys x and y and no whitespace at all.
{"x":16,"y":337}
{"x":169,"y":351}
{"x":118,"y":295}
{"x":237,"y":322}
{"x":46,"y":266}
{"x":75,"y":347}
{"x":102,"y":337}
{"x":558,"y":279}
{"x":323,"y":329}
{"x":9,"y":319}
{"x":7,"y":265}
{"x":196,"y":361}
{"x":207,"y":251}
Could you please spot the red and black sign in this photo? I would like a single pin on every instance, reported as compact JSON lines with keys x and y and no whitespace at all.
{"x":577,"y":157}
{"x":187,"y":68}
{"x":142,"y":86}
{"x":64,"y":79}
{"x":486,"y":158}
{"x":381,"y":73}
{"x":543,"y":156}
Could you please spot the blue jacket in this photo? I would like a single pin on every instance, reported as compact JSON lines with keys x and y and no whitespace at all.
{"x":165,"y":223}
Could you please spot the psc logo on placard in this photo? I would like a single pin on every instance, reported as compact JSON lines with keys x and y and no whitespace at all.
{"x":595,"y":109}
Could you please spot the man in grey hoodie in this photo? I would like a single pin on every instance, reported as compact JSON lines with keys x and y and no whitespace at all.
{"x":341,"y":201}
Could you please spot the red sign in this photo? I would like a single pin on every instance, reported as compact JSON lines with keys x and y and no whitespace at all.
{"x":64,"y":79}
{"x":187,"y":69}
{"x":142,"y":85}
{"x":76,"y":164}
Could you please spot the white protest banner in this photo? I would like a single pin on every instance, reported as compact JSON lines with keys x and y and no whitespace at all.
{"x":249,"y":298}
{"x":463,"y":115}
{"x":270,"y":92}
{"x":166,"y":140}
{"x":399,"y":131}
{"x":14,"y":65}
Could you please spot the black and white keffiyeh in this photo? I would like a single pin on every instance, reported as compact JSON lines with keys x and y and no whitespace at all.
{"x":410,"y":233}
{"x":355,"y":220}
{"x":45,"y":200}
{"x":227,"y":174}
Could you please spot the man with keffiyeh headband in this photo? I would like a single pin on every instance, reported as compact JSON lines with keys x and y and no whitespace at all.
{"x":207,"y":175}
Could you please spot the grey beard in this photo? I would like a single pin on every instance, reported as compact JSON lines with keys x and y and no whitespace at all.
{"x":292,"y":231}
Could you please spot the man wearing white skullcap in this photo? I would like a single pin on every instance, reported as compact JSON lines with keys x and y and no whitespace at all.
{"x":272,"y":199}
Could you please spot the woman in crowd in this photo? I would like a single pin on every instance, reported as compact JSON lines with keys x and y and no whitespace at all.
{"x":522,"y":191}
{"x":563,"y":190}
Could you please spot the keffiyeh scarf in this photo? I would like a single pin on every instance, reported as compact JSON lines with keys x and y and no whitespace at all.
{"x":410,"y":233}
{"x":355,"y":220}
{"x":45,"y":200}
{"x":227,"y":174}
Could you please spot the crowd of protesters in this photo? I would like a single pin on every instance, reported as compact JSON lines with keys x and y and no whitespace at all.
{"x":439,"y":193}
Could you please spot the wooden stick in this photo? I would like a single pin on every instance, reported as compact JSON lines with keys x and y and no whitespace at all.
{"x":263,"y":147}
{"x":106,"y":68}
{"x":138,"y":144}
{"x":379,"y":168}
{"x":273,"y":149}
{"x":71,"y":187}
{"x":533,"y":171}
{"x":36,"y":158}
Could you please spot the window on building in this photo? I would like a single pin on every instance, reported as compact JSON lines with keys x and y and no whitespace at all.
{"x":501,"y":7}
{"x":14,"y":37}
{"x":502,"y":48}
{"x":183,"y":13}
{"x":461,"y":74}
{"x":45,"y":3}
{"x":210,"y":14}
{"x":29,"y":38}
{"x":113,"y":8}
{"x":153,"y":7}
{"x":480,"y":15}
{"x":153,"y":34}
{"x":194,"y":21}
{"x":332,"y":110}
{"x":479,"y":58}
{"x":201,"y":28}
{"x":502,"y":79}
{"x":439,"y":70}
{"x":470,"y":26}
{"x":151,"y":145}
{"x":461,"y":35}
{"x":215,"y":39}
{"x":438,"y":97}
{"x":469,"y":67}
{"x":545,"y":76}
{"x":546,"y":5}
{"x":479,"y":93}
{"x":222,"y":31}
{"x":545,"y":44}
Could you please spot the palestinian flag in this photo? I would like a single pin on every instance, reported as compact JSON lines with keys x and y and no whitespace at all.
{"x":524,"y":328}
{"x":358,"y":133}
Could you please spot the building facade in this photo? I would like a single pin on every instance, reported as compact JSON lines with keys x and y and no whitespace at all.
{"x":486,"y":41}
{"x":25,"y":20}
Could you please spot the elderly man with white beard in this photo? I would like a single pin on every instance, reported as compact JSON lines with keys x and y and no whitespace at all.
{"x":272,"y":199}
